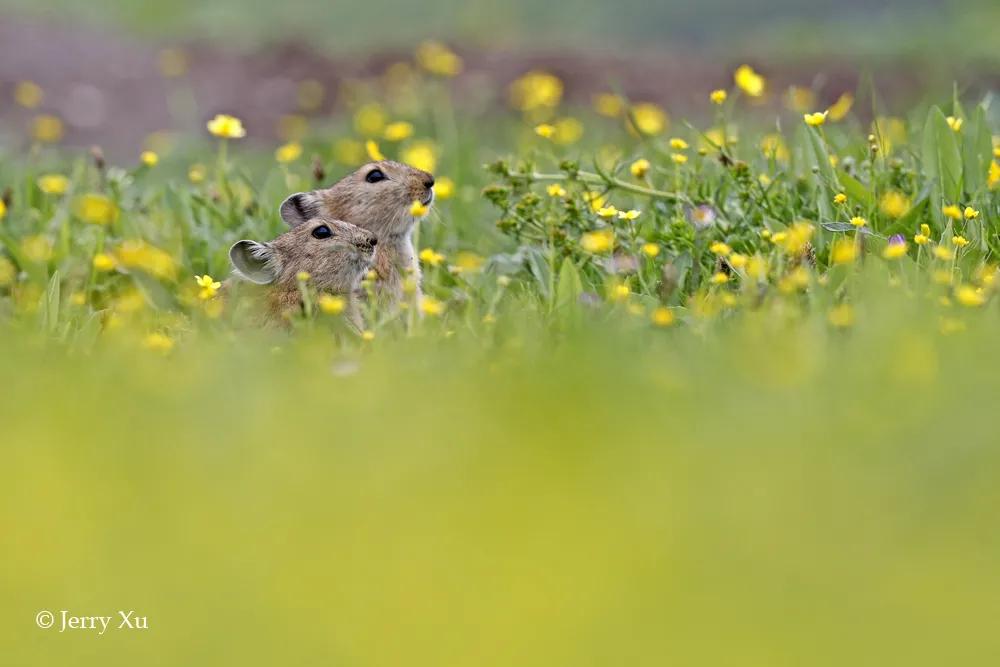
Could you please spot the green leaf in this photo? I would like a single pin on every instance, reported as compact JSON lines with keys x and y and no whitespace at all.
{"x":48,"y":311}
{"x":829,"y":183}
{"x":977,"y":151}
{"x":942,"y":157}
{"x":856,"y":190}
{"x":568,"y":291}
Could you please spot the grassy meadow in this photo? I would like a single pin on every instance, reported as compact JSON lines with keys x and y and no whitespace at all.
{"x":711,"y":391}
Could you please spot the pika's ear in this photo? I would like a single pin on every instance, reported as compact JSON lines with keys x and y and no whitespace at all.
{"x":299,"y":208}
{"x":254,"y":261}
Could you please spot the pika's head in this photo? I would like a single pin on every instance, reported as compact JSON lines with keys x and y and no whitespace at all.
{"x":378,"y":197}
{"x":335,"y":254}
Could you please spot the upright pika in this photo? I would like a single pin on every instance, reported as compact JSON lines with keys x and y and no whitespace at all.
{"x":378,"y":197}
{"x":335,"y":254}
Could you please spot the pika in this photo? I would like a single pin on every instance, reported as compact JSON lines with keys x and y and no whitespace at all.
{"x":335,"y":254}
{"x":377,"y":197}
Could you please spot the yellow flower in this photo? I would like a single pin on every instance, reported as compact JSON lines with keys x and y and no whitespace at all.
{"x":418,"y":209}
{"x":607,"y":212}
{"x":226,"y":127}
{"x":556,"y":190}
{"x":639,"y":168}
{"x":678,"y":144}
{"x":369,"y":120}
{"x":629,"y":215}
{"x":158,"y":342}
{"x":952,"y":211}
{"x":431,"y":306}
{"x":53,"y":184}
{"x":609,"y":104}
{"x":96,"y":209}
{"x":894,"y":251}
{"x":595,"y":199}
{"x":737,"y":261}
{"x":841,"y":316}
{"x":718,"y":96}
{"x":600,"y":241}
{"x":303,"y":276}
{"x":894,"y":204}
{"x":47,"y":129}
{"x":719,"y":278}
{"x":970,"y":296}
{"x":925,"y":229}
{"x":839,"y":198}
{"x":149,"y":158}
{"x":943,"y":253}
{"x":795,"y":239}
{"x":970,"y":213}
{"x":398,"y":131}
{"x":679,"y":158}
{"x":650,"y":249}
{"x":536,"y":90}
{"x":469,"y":261}
{"x":843,"y":251}
{"x":749,"y":81}
{"x":720,"y":248}
{"x":141,"y":255}
{"x":994,"y":176}
{"x":620,"y":293}
{"x":8,"y":272}
{"x":367,"y":336}
{"x":3,"y":209}
{"x":567,"y":131}
{"x":757,"y":268}
{"x":444,"y":188}
{"x":954,"y":123}
{"x":430,"y":256}
{"x":103,"y":262}
{"x":959,"y":241}
{"x":28,"y":94}
{"x":858,"y":221}
{"x":196,"y":173}
{"x":799,"y":98}
{"x":209,"y":286}
{"x":647,"y":119}
{"x":292,"y":127}
{"x":796,"y":279}
{"x":373,"y":152}
{"x":815,"y":119}
{"x":841,"y":107}
{"x":289,"y":152}
{"x":330,"y":304}
{"x":438,"y":59}
{"x":545,"y":130}
{"x":37,"y":248}
{"x":773,"y":145}
{"x":662,"y":316}
{"x":420,"y":154}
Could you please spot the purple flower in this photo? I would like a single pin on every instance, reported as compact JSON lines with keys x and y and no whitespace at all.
{"x":897,"y":239}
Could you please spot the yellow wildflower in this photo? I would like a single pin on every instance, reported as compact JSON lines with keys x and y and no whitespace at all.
{"x":795,"y":280}
{"x":595,"y":199}
{"x":609,"y":104}
{"x":970,"y":213}
{"x":103,"y":262}
{"x":28,"y":94}
{"x":796,"y":238}
{"x":53,"y":184}
{"x":226,"y":127}
{"x":368,"y":336}
{"x":678,"y":144}
{"x":943,"y":253}
{"x":858,"y":221}
{"x":607,"y":212}
{"x":8,"y":272}
{"x":894,"y":251}
{"x":839,"y":198}
{"x":650,"y":249}
{"x":209,"y":286}
{"x":398,"y":131}
{"x":737,"y":261}
{"x":567,"y":131}
{"x":620,"y":292}
{"x":970,"y":296}
{"x":545,"y":130}
{"x":141,"y":255}
{"x":431,"y":306}
{"x":331,"y":304}
{"x":679,"y":158}
{"x":418,"y":209}
{"x":3,"y":209}
{"x":749,"y":81}
{"x":952,"y":211}
{"x":639,"y":168}
{"x":841,"y":316}
{"x":158,"y":342}
{"x":96,"y":209}
{"x":894,"y":204}
{"x":597,"y":242}
{"x":959,"y":241}
{"x":720,"y":248}
{"x":841,"y":107}
{"x":370,"y":119}
{"x":37,"y":248}
{"x":719,"y":278}
{"x":757,"y":268}
{"x":994,"y":176}
{"x":444,"y":188}
{"x":47,"y":129}
{"x":921,"y":239}
{"x":718,"y":96}
{"x":954,"y":123}
{"x":843,"y":251}
{"x":815,"y":119}
{"x":662,"y":316}
{"x":430,"y":256}
{"x":289,"y":152}
{"x":799,"y":98}
{"x":420,"y":154}
{"x":438,"y":59}
{"x":373,"y":151}
{"x":647,"y":119}
{"x":629,"y":215}
{"x":773,"y":146}
{"x":536,"y":90}
{"x":149,"y":158}
{"x":556,"y":190}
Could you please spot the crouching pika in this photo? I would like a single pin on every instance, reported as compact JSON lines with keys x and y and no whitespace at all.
{"x":335,"y":254}
{"x":378,"y":197}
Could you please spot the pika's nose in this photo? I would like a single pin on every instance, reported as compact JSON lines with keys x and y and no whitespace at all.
{"x":429,"y":183}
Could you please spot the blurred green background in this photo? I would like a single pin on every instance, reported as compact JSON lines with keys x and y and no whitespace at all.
{"x":954,"y":30}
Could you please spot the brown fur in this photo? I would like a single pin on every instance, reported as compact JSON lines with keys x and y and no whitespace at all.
{"x":382,"y":207}
{"x":335,"y":264}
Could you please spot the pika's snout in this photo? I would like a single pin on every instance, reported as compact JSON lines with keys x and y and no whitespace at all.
{"x":366,"y":242}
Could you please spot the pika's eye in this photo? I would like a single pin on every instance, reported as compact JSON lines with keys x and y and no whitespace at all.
{"x":374,"y":176}
{"x":322,"y":232}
